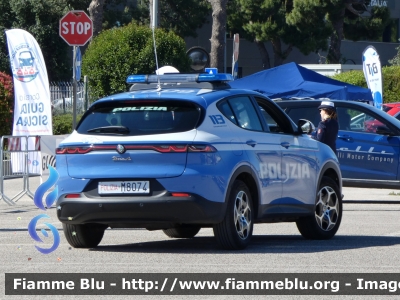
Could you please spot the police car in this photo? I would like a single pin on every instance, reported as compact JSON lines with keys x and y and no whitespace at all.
{"x":181,"y":152}
{"x":368,"y":143}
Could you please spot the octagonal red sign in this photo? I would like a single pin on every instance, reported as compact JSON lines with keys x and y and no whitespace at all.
{"x":76,"y":28}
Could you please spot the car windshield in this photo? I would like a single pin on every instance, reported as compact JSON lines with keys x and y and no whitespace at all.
{"x":140,"y":118}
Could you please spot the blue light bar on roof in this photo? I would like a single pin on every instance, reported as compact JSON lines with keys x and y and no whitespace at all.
{"x":173,"y":78}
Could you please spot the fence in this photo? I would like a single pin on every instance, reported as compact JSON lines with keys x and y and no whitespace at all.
{"x":16,"y":161}
{"x":62,"y":94}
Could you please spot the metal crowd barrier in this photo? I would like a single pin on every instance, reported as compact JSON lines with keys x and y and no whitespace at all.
{"x":18,"y":161}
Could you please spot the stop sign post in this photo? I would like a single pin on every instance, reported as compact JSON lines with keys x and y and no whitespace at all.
{"x":76,"y":28}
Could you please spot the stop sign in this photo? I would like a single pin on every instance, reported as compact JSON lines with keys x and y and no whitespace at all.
{"x":76,"y":28}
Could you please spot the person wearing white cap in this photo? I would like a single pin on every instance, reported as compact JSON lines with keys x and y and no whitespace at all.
{"x":328,"y":128}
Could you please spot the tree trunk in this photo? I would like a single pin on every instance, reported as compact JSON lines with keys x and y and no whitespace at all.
{"x":334,"y":53}
{"x":96,"y":14}
{"x":279,"y":55}
{"x":264,"y":54}
{"x":217,"y":54}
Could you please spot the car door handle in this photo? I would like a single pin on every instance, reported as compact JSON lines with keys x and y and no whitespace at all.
{"x":345,"y":137}
{"x":285,"y":144}
{"x":251,"y":143}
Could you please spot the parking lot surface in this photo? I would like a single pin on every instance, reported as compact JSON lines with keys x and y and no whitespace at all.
{"x":368,"y":241}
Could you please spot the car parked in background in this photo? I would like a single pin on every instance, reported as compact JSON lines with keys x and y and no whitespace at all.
{"x":66,"y":103}
{"x":368,"y":143}
{"x":180,"y":152}
{"x":392,"y":109}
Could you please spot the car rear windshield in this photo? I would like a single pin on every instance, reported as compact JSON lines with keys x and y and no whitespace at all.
{"x":140,"y":117}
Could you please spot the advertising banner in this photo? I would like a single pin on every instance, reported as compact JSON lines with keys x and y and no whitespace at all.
{"x":373,"y":74}
{"x":32,"y":105}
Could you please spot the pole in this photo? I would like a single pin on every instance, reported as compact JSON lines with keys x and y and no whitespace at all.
{"x":85,"y":92}
{"x":74,"y":92}
{"x":224,"y":51}
{"x":155,"y":14}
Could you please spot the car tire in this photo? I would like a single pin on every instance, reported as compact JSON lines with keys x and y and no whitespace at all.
{"x":84,"y":235}
{"x":236,"y":230}
{"x":182,"y":232}
{"x":328,"y":210}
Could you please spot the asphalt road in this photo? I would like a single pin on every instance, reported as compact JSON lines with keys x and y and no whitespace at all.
{"x":368,"y":241}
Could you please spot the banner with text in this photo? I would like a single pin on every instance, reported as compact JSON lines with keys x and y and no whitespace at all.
{"x":32,"y":102}
{"x":373,"y":74}
{"x":32,"y":106}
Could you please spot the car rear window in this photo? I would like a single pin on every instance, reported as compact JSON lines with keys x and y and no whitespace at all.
{"x":140,"y":118}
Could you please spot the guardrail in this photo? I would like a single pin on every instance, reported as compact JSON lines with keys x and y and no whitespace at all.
{"x":18,"y":155}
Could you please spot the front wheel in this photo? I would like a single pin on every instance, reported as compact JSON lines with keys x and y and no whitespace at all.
{"x":328,"y":211}
{"x":236,"y":230}
{"x":84,"y":235}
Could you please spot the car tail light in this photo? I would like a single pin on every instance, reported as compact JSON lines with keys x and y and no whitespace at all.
{"x":73,"y":196}
{"x":73,"y":150}
{"x":159,"y":148}
{"x":201,"y":148}
{"x":180,"y":195}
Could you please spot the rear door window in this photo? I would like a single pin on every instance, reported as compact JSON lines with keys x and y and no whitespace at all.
{"x":140,"y":118}
{"x":240,"y":110}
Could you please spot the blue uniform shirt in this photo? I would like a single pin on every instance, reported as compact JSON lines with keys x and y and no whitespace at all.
{"x":327,"y":132}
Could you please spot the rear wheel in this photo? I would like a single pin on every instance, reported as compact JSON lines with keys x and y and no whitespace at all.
{"x":84,"y":235}
{"x":236,"y":230}
{"x":182,"y":232}
{"x":327,"y":216}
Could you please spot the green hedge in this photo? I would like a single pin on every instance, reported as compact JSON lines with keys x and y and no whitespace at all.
{"x":391,"y":81}
{"x":116,"y":53}
{"x":62,"y":124}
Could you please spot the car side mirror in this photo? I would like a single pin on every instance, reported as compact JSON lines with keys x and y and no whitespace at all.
{"x":383,"y":130}
{"x":305,"y":126}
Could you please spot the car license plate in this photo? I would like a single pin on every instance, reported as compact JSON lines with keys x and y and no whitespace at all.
{"x":124,"y":187}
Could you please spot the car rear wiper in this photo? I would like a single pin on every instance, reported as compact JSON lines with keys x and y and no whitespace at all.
{"x":110,"y":129}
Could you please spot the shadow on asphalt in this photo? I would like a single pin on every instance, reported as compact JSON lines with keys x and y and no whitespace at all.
{"x":259,"y":244}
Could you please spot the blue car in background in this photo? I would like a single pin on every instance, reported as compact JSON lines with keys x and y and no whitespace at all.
{"x":368,"y":142}
{"x":180,"y":152}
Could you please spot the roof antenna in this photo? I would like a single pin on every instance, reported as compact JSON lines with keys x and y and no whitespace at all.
{"x":155,"y":53}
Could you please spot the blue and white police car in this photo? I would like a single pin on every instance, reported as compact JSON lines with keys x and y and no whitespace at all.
{"x":181,"y":152}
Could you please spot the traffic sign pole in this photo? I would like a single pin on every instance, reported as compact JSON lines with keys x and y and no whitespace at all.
{"x":74,"y":91}
{"x":76,"y":28}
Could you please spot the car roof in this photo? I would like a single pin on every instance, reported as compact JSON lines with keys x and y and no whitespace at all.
{"x":202,"y":93}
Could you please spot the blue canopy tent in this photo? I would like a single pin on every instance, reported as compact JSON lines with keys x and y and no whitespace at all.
{"x":291,"y":80}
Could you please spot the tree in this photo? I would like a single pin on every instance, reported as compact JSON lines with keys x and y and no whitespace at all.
{"x":183,"y":17}
{"x":118,"y":52}
{"x":6,"y":104}
{"x":352,"y":20}
{"x":395,"y":61}
{"x":283,"y":23}
{"x":219,"y":17}
{"x":96,"y":9}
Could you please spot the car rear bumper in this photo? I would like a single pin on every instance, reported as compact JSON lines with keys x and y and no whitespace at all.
{"x":140,"y":212}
